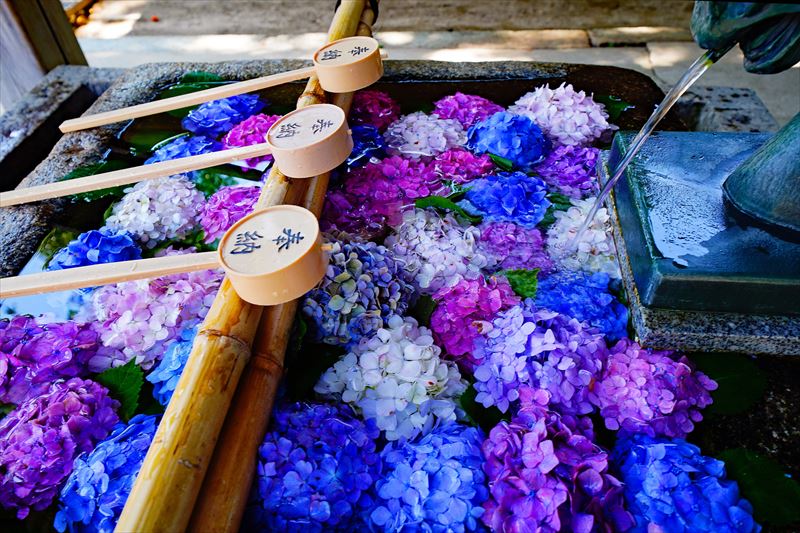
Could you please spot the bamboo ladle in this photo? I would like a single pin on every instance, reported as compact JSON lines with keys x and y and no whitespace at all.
{"x":341,"y":66}
{"x":304,"y":143}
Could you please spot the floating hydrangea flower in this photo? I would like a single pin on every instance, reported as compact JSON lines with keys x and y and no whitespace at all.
{"x":185,"y":146}
{"x":545,"y":475}
{"x":467,"y":109}
{"x":510,"y":136}
{"x":140,"y":318}
{"x":34,"y":355}
{"x":435,"y":251}
{"x":595,"y":252}
{"x":157,"y":210}
{"x":461,"y":166}
{"x":362,"y":289}
{"x":565,"y":115}
{"x":670,"y":486}
{"x":508,"y":196}
{"x":434,"y":484}
{"x":415,"y":179}
{"x":96,"y":491}
{"x":226,"y":207}
{"x":220,"y":116}
{"x":315,"y":468}
{"x":343,"y":212}
{"x":250,"y":131}
{"x":653,"y":392}
{"x":373,"y":108}
{"x":570,"y":169}
{"x":585,"y":297}
{"x":511,"y":247}
{"x":420,"y":135}
{"x":466,"y":310}
{"x":94,"y":247}
{"x":41,"y":438}
{"x":368,"y":143}
{"x":166,"y":374}
{"x":396,"y":378}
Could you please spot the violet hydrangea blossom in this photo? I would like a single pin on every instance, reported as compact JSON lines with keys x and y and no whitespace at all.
{"x":657,"y":393}
{"x":368,"y":144}
{"x":226,"y":207}
{"x":467,"y":109}
{"x":40,"y":439}
{"x":343,"y":212}
{"x":508,"y":197}
{"x":513,"y":137}
{"x":184,"y":146}
{"x":434,"y":484}
{"x":315,"y":469}
{"x":220,"y":116}
{"x":373,"y":108}
{"x":95,"y":492}
{"x":461,"y":166}
{"x":420,"y":135}
{"x":94,"y":247}
{"x":570,"y":170}
{"x":250,"y":131}
{"x":509,"y":246}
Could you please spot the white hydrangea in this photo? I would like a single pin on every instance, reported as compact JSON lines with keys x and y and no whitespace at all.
{"x":565,"y":115}
{"x":396,"y":378}
{"x":595,"y":251}
{"x":417,"y":135}
{"x":158,"y":210}
{"x":435,"y":251}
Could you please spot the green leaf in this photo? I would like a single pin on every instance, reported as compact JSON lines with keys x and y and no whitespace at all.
{"x":774,"y":495}
{"x":57,"y":239}
{"x":502,"y":162}
{"x":524,"y":282}
{"x":614,"y":105}
{"x":144,"y":136}
{"x":124,"y":383}
{"x":6,"y":408}
{"x":741,"y":382}
{"x":188,"y":87}
{"x":445,"y":204}
{"x":484,"y":417}
{"x":423,"y":310}
{"x":200,"y":76}
{"x":558,"y":202}
{"x":210,"y":180}
{"x":108,"y":165}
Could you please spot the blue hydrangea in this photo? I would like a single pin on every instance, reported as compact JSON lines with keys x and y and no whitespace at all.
{"x":164,"y":377}
{"x":94,"y":247}
{"x":367,"y":143}
{"x":670,"y":486}
{"x":101,"y":480}
{"x":514,"y":137}
{"x":220,"y":116}
{"x":315,"y":469}
{"x":585,"y":297}
{"x":508,"y":196}
{"x":435,"y":484}
{"x":185,"y":146}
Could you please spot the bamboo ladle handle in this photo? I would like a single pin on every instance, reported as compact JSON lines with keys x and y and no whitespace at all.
{"x":186,"y":100}
{"x":131,"y":175}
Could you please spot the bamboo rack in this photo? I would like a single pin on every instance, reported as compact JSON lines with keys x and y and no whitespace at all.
{"x":165,"y":491}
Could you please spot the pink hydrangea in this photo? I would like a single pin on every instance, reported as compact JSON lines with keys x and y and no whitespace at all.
{"x":465,"y":311}
{"x":374,"y":108}
{"x":461,"y":166}
{"x":251,"y":131}
{"x":225,"y":207}
{"x":465,"y":108}
{"x":510,"y":246}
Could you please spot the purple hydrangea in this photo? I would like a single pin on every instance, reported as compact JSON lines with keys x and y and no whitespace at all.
{"x":95,"y":493}
{"x":671,"y":486}
{"x":250,"y":131}
{"x":315,"y":469}
{"x":419,"y":135}
{"x":465,"y":108}
{"x":649,"y":391}
{"x":185,"y":146}
{"x":343,"y":212}
{"x":373,"y":108}
{"x":509,"y":246}
{"x":570,"y":170}
{"x":34,"y":355}
{"x":461,"y":166}
{"x":513,"y":137}
{"x":226,"y":207}
{"x":41,"y":438}
{"x":220,"y":116}
{"x":94,"y":247}
{"x":466,"y":310}
{"x":368,"y":143}
{"x":414,"y":179}
{"x":432,"y":485}
{"x":508,"y":196}
{"x":361,"y":290}
{"x":166,"y":374}
{"x":585,"y":297}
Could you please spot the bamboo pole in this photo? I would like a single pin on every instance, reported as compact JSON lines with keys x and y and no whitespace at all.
{"x":172,"y":473}
{"x":224,"y":496}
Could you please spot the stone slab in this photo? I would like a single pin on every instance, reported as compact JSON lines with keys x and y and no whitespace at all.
{"x":638,"y":35}
{"x":733,"y":109}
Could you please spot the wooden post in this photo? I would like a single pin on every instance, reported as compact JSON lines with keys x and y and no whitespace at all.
{"x":168,"y":483}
